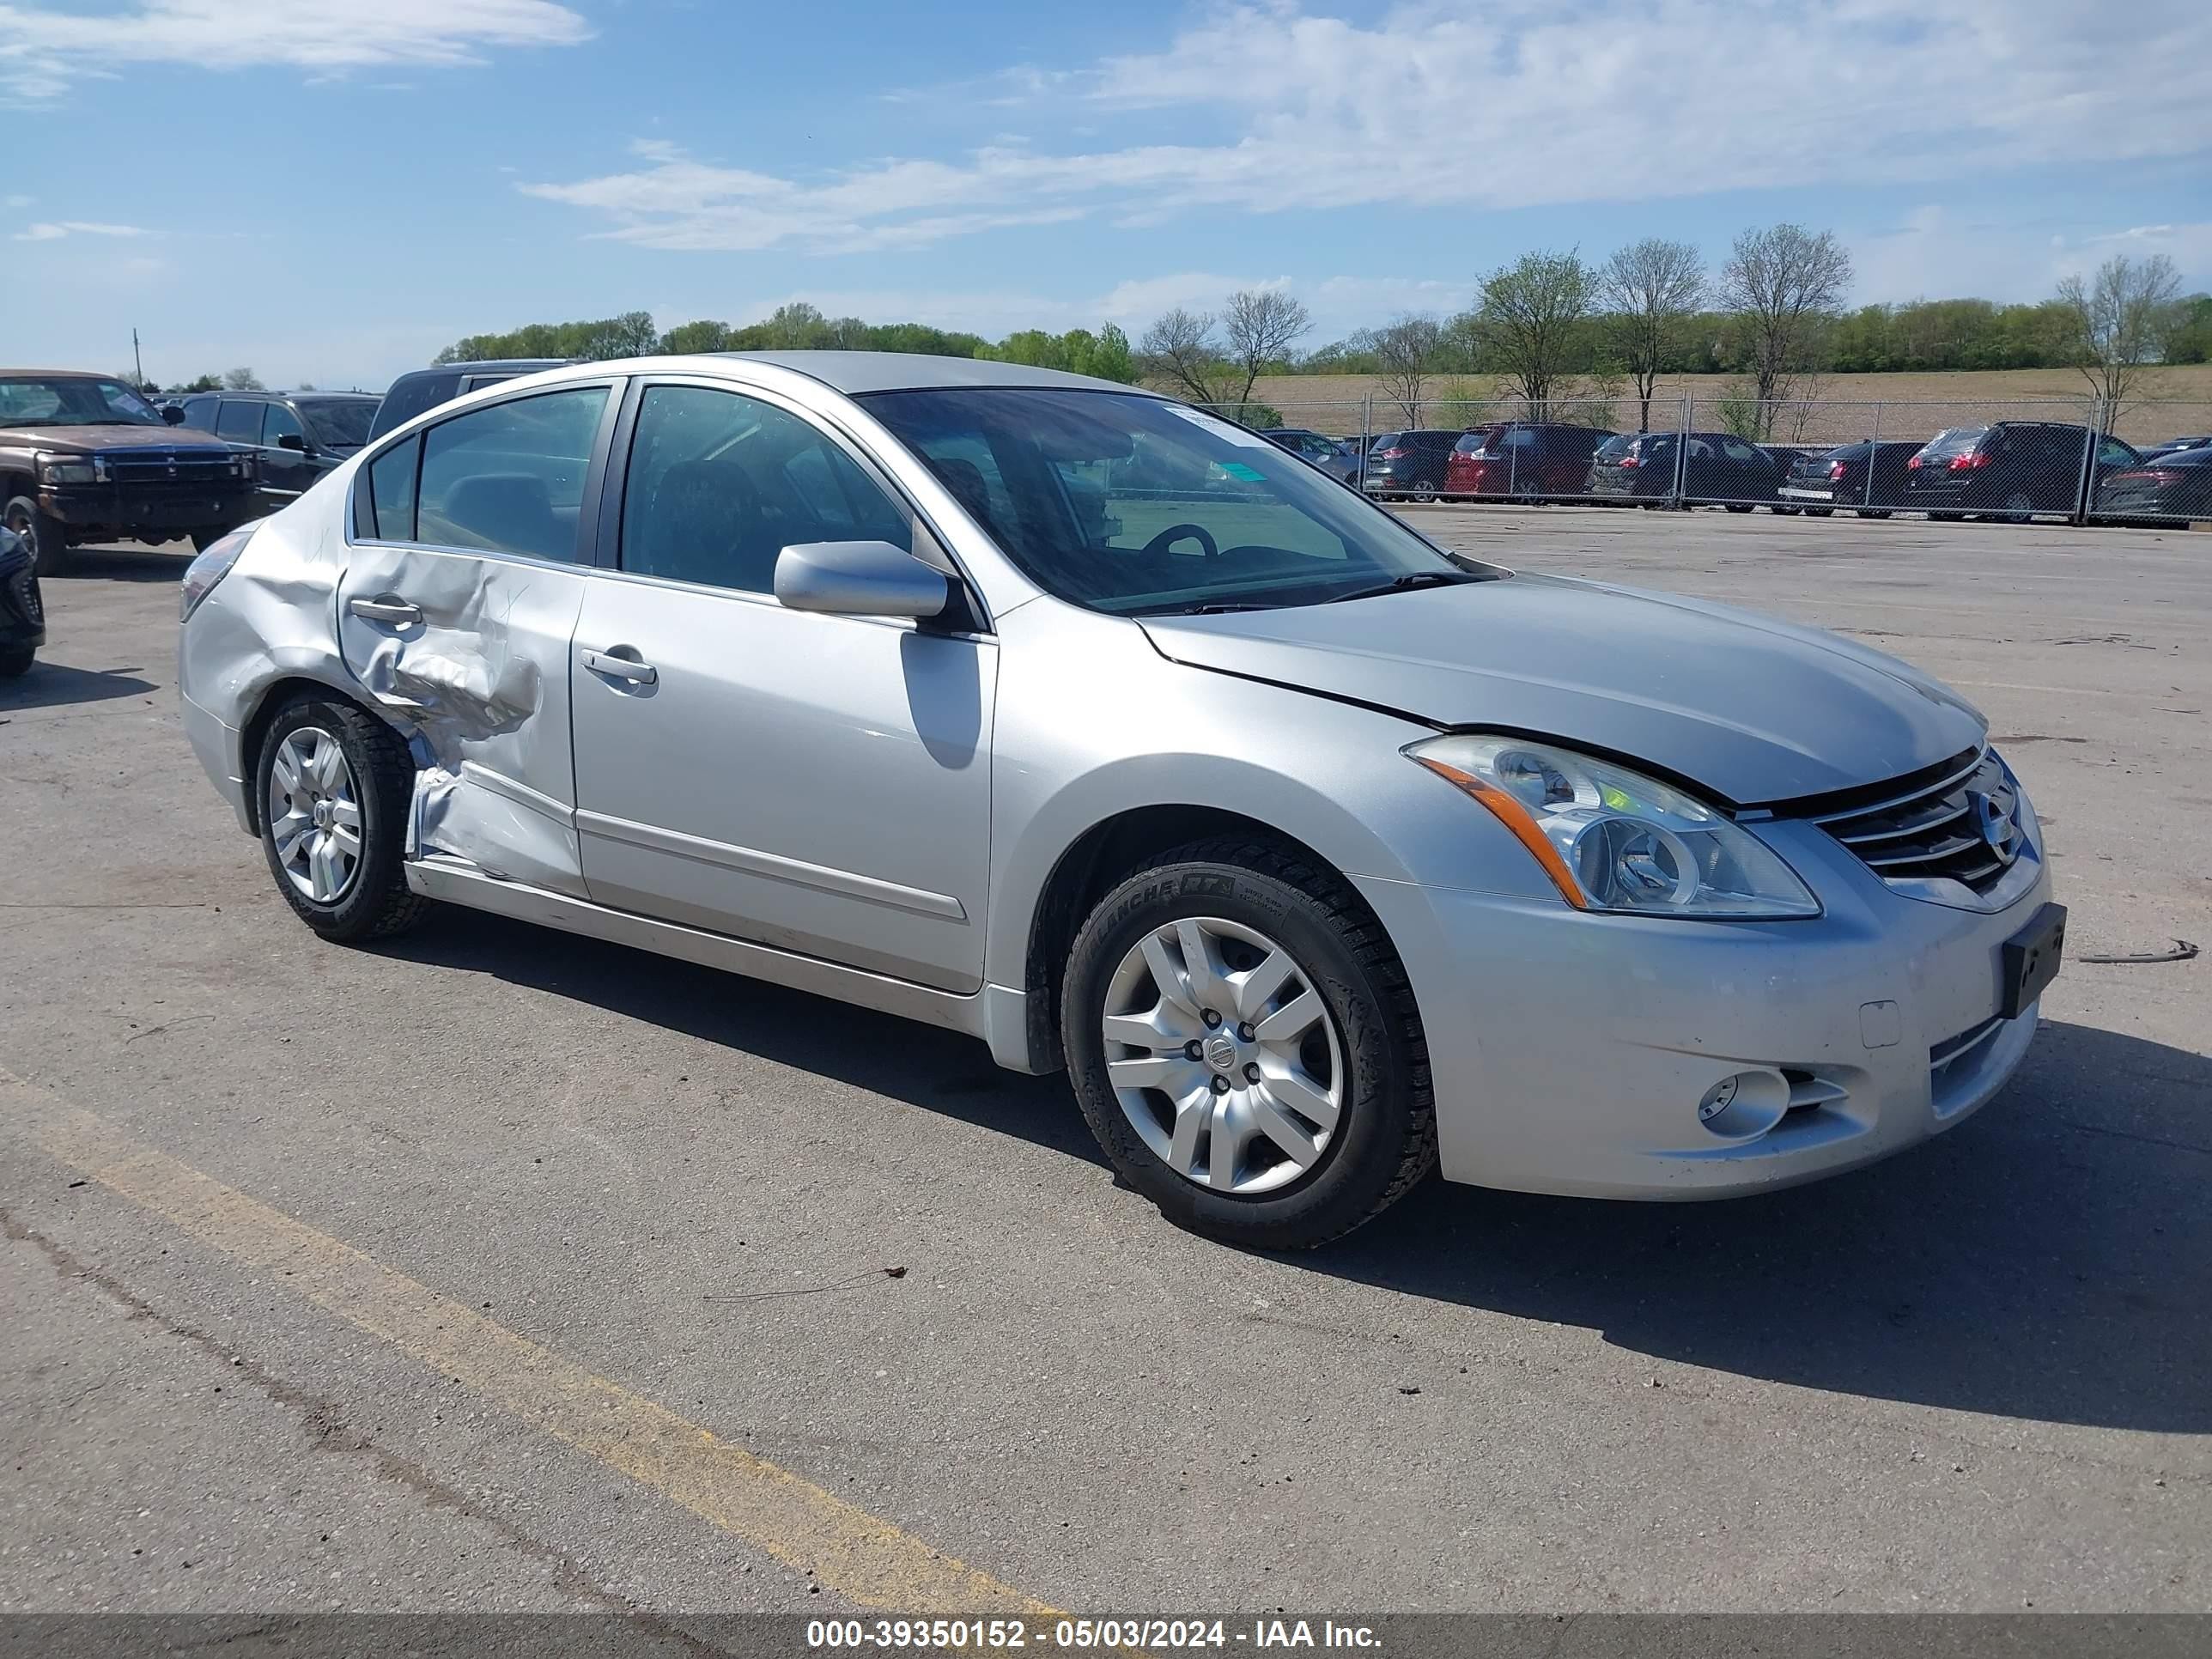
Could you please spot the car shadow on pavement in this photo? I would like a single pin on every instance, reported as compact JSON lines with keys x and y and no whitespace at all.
{"x":50,"y":685}
{"x":938,"y":1070}
{"x":2049,"y":1259}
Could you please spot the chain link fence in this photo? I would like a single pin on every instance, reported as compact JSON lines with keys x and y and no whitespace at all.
{"x":2073,"y":459}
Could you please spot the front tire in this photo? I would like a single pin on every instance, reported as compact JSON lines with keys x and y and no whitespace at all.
{"x":1315,"y":1114}
{"x":15,"y":661}
{"x":334,"y":785}
{"x":47,"y":535}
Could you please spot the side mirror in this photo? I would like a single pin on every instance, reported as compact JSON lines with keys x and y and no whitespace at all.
{"x":172,"y":414}
{"x":292,"y":440}
{"x":859,"y":579}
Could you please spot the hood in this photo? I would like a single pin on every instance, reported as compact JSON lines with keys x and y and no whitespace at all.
{"x":1749,"y":708}
{"x":88,"y":439}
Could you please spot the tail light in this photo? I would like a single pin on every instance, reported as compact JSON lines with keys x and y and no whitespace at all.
{"x":1913,"y":465}
{"x":1835,"y":469}
{"x":1392,"y":454}
{"x":1970,"y":461}
{"x":2157,"y":474}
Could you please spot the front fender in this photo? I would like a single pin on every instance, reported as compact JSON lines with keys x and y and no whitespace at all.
{"x":1093,"y":723}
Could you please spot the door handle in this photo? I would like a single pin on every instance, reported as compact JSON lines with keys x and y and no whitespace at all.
{"x":620,"y":668}
{"x":397,"y":611}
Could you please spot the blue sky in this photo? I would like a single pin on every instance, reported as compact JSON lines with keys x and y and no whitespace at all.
{"x":329,"y":191}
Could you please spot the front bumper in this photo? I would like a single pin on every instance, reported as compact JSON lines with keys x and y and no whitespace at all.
{"x":214,"y":506}
{"x":1570,"y":1051}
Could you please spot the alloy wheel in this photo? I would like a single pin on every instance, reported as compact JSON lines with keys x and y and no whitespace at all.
{"x":1223,"y":1055}
{"x":314,"y":814}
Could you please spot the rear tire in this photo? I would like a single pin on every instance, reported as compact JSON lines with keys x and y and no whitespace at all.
{"x":48,"y":535}
{"x":366,"y":789}
{"x":1737,"y":507}
{"x":1947,"y":518}
{"x":1872,"y":511}
{"x":1383,"y":1138}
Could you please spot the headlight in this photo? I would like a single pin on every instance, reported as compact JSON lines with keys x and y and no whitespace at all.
{"x":1611,"y":839}
{"x":70,"y":469}
{"x":210,"y":567}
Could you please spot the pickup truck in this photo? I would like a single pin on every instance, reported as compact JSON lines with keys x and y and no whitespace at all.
{"x":84,"y":458}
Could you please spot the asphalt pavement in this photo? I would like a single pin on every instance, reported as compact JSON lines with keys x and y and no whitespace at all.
{"x":492,"y":1268}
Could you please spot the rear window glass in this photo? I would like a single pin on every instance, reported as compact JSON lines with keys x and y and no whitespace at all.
{"x":1956,"y":441}
{"x":1613,"y":448}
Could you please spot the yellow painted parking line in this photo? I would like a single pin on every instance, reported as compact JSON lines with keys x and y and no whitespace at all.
{"x":849,"y":1551}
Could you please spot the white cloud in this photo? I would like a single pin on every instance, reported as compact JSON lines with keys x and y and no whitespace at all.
{"x":1932,"y":253}
{"x":1515,"y":103}
{"x":44,"y":47}
{"x":54,"y":231}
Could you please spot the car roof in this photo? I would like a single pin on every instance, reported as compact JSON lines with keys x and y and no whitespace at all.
{"x":264,"y":391}
{"x":856,"y":372}
{"x":512,"y":365}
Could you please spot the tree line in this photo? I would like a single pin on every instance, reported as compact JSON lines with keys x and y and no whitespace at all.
{"x":1553,"y":326}
{"x":1104,"y":353}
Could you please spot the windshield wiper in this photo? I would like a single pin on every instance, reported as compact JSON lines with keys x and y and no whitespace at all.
{"x":1405,"y":584}
{"x":1210,"y":608}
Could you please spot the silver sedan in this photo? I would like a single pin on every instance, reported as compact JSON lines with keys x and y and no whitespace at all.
{"x":1079,"y":719}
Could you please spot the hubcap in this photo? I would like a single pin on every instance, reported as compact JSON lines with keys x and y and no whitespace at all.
{"x":314,"y":816}
{"x":1223,"y":1055}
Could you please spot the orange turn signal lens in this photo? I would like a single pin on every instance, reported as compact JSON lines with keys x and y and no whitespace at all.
{"x":1515,"y":817}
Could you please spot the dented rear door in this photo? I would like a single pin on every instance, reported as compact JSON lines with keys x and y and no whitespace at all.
{"x":457,"y":614}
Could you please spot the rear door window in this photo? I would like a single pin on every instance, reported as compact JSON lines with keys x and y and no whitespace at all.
{"x":240,"y":421}
{"x":510,"y":478}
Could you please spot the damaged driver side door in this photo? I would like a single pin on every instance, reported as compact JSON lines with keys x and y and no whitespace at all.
{"x":456,"y":614}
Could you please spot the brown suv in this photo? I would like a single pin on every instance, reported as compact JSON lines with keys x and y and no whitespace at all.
{"x":84,"y":458}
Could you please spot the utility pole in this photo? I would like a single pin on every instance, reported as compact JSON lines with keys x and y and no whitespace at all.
{"x":138,"y":363}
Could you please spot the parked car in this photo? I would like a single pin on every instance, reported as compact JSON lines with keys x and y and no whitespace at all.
{"x":1820,"y":483}
{"x":1718,"y":467}
{"x":1228,"y":809}
{"x":2173,"y":488}
{"x":295,"y":436}
{"x":2009,"y":469}
{"x":420,"y":389}
{"x":1323,"y":452}
{"x":23,"y":610}
{"x":1784,"y":457}
{"x":2172,"y":446}
{"x":84,"y":458}
{"x":1539,"y":460}
{"x":1412,"y":463}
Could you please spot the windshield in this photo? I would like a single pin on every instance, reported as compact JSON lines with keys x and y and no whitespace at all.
{"x":69,"y":400}
{"x":339,"y":422}
{"x":1133,"y":505}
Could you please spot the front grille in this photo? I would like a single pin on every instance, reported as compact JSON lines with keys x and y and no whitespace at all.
{"x":1928,"y":826}
{"x":163,"y":468}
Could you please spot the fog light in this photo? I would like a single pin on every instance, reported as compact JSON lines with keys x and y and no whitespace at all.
{"x":1744,"y":1106}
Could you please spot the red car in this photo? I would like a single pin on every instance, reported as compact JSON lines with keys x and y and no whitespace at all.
{"x":1546,"y":460}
